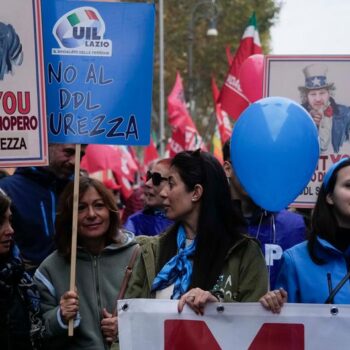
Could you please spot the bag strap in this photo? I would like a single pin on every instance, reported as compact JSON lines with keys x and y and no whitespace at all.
{"x":333,"y":293}
{"x":128,"y":272}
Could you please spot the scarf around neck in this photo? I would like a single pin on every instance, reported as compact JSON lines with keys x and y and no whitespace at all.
{"x":178,"y":270}
{"x":12,"y":275}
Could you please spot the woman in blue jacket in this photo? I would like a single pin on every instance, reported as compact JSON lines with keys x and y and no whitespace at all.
{"x":316,"y":271}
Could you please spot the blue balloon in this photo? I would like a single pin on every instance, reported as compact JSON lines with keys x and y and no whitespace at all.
{"x":274,"y":151}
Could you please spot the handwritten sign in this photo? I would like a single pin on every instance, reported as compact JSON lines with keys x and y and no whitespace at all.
{"x":98,"y":65}
{"x":23,"y":132}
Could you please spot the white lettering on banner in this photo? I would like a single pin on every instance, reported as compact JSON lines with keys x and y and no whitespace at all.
{"x":124,"y":166}
{"x":272,"y":252}
{"x":175,"y":146}
{"x":229,"y":284}
{"x":246,"y":325}
{"x":233,"y":82}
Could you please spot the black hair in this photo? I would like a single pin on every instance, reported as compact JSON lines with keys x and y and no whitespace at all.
{"x":323,"y":221}
{"x":217,"y":227}
{"x":226,"y":152}
{"x":5,"y":203}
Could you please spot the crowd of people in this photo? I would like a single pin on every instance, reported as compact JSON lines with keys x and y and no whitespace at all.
{"x":199,"y":239}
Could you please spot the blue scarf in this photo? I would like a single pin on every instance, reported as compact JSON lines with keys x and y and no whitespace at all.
{"x":178,"y":270}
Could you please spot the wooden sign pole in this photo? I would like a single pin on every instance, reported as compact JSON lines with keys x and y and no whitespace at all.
{"x":73,"y":259}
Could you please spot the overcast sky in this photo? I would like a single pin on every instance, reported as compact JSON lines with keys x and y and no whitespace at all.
{"x":312,"y":27}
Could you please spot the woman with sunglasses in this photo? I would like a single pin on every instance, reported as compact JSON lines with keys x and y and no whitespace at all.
{"x":152,"y":219}
{"x":203,"y":257}
{"x":316,"y":271}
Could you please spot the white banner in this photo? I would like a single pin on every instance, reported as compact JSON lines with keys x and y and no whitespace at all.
{"x":156,"y":324}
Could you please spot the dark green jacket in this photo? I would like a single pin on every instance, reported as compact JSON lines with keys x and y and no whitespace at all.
{"x":245,"y":276}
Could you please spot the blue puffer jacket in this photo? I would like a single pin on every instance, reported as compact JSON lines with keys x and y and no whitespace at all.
{"x":34,"y":194}
{"x":147,"y":222}
{"x":306,"y":281}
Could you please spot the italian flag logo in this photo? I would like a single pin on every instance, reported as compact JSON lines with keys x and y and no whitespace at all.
{"x":83,"y":17}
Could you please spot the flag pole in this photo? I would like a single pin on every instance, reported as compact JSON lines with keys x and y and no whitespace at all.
{"x":161,"y":78}
{"x":73,"y":259}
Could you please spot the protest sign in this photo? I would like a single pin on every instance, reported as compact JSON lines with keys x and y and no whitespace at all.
{"x":156,"y":324}
{"x":23,"y":132}
{"x":98,"y":65}
{"x":320,"y":85}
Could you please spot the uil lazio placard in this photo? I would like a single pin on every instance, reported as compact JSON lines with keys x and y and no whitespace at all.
{"x":98,"y":67}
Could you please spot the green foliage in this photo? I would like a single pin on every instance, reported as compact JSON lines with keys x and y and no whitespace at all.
{"x":209,"y":56}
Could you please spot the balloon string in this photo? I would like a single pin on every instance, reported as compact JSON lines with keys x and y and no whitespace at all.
{"x":272,"y":236}
{"x":273,"y":232}
{"x":273,"y":228}
{"x":263,"y":213}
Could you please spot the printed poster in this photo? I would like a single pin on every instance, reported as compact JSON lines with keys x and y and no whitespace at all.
{"x":321,"y":85}
{"x":23,"y":131}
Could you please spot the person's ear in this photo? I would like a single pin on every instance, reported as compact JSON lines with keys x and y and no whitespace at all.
{"x":228,"y":168}
{"x":197,"y":193}
{"x":329,"y":199}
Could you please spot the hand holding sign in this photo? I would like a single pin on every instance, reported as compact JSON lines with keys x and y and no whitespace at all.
{"x":274,"y":151}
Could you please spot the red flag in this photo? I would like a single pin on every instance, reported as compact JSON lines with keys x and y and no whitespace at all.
{"x":150,"y":153}
{"x":184,"y":132}
{"x":223,"y":122}
{"x":136,"y":165}
{"x":231,"y":97}
{"x":128,"y":162}
{"x":117,"y":159}
{"x":107,"y":178}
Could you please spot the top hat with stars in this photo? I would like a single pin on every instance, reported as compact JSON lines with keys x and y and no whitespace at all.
{"x":316,"y":77}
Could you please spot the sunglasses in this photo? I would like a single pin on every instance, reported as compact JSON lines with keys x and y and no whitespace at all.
{"x":157,"y":178}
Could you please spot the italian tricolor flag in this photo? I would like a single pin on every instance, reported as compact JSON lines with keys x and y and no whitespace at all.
{"x":80,"y":16}
{"x":231,"y":97}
